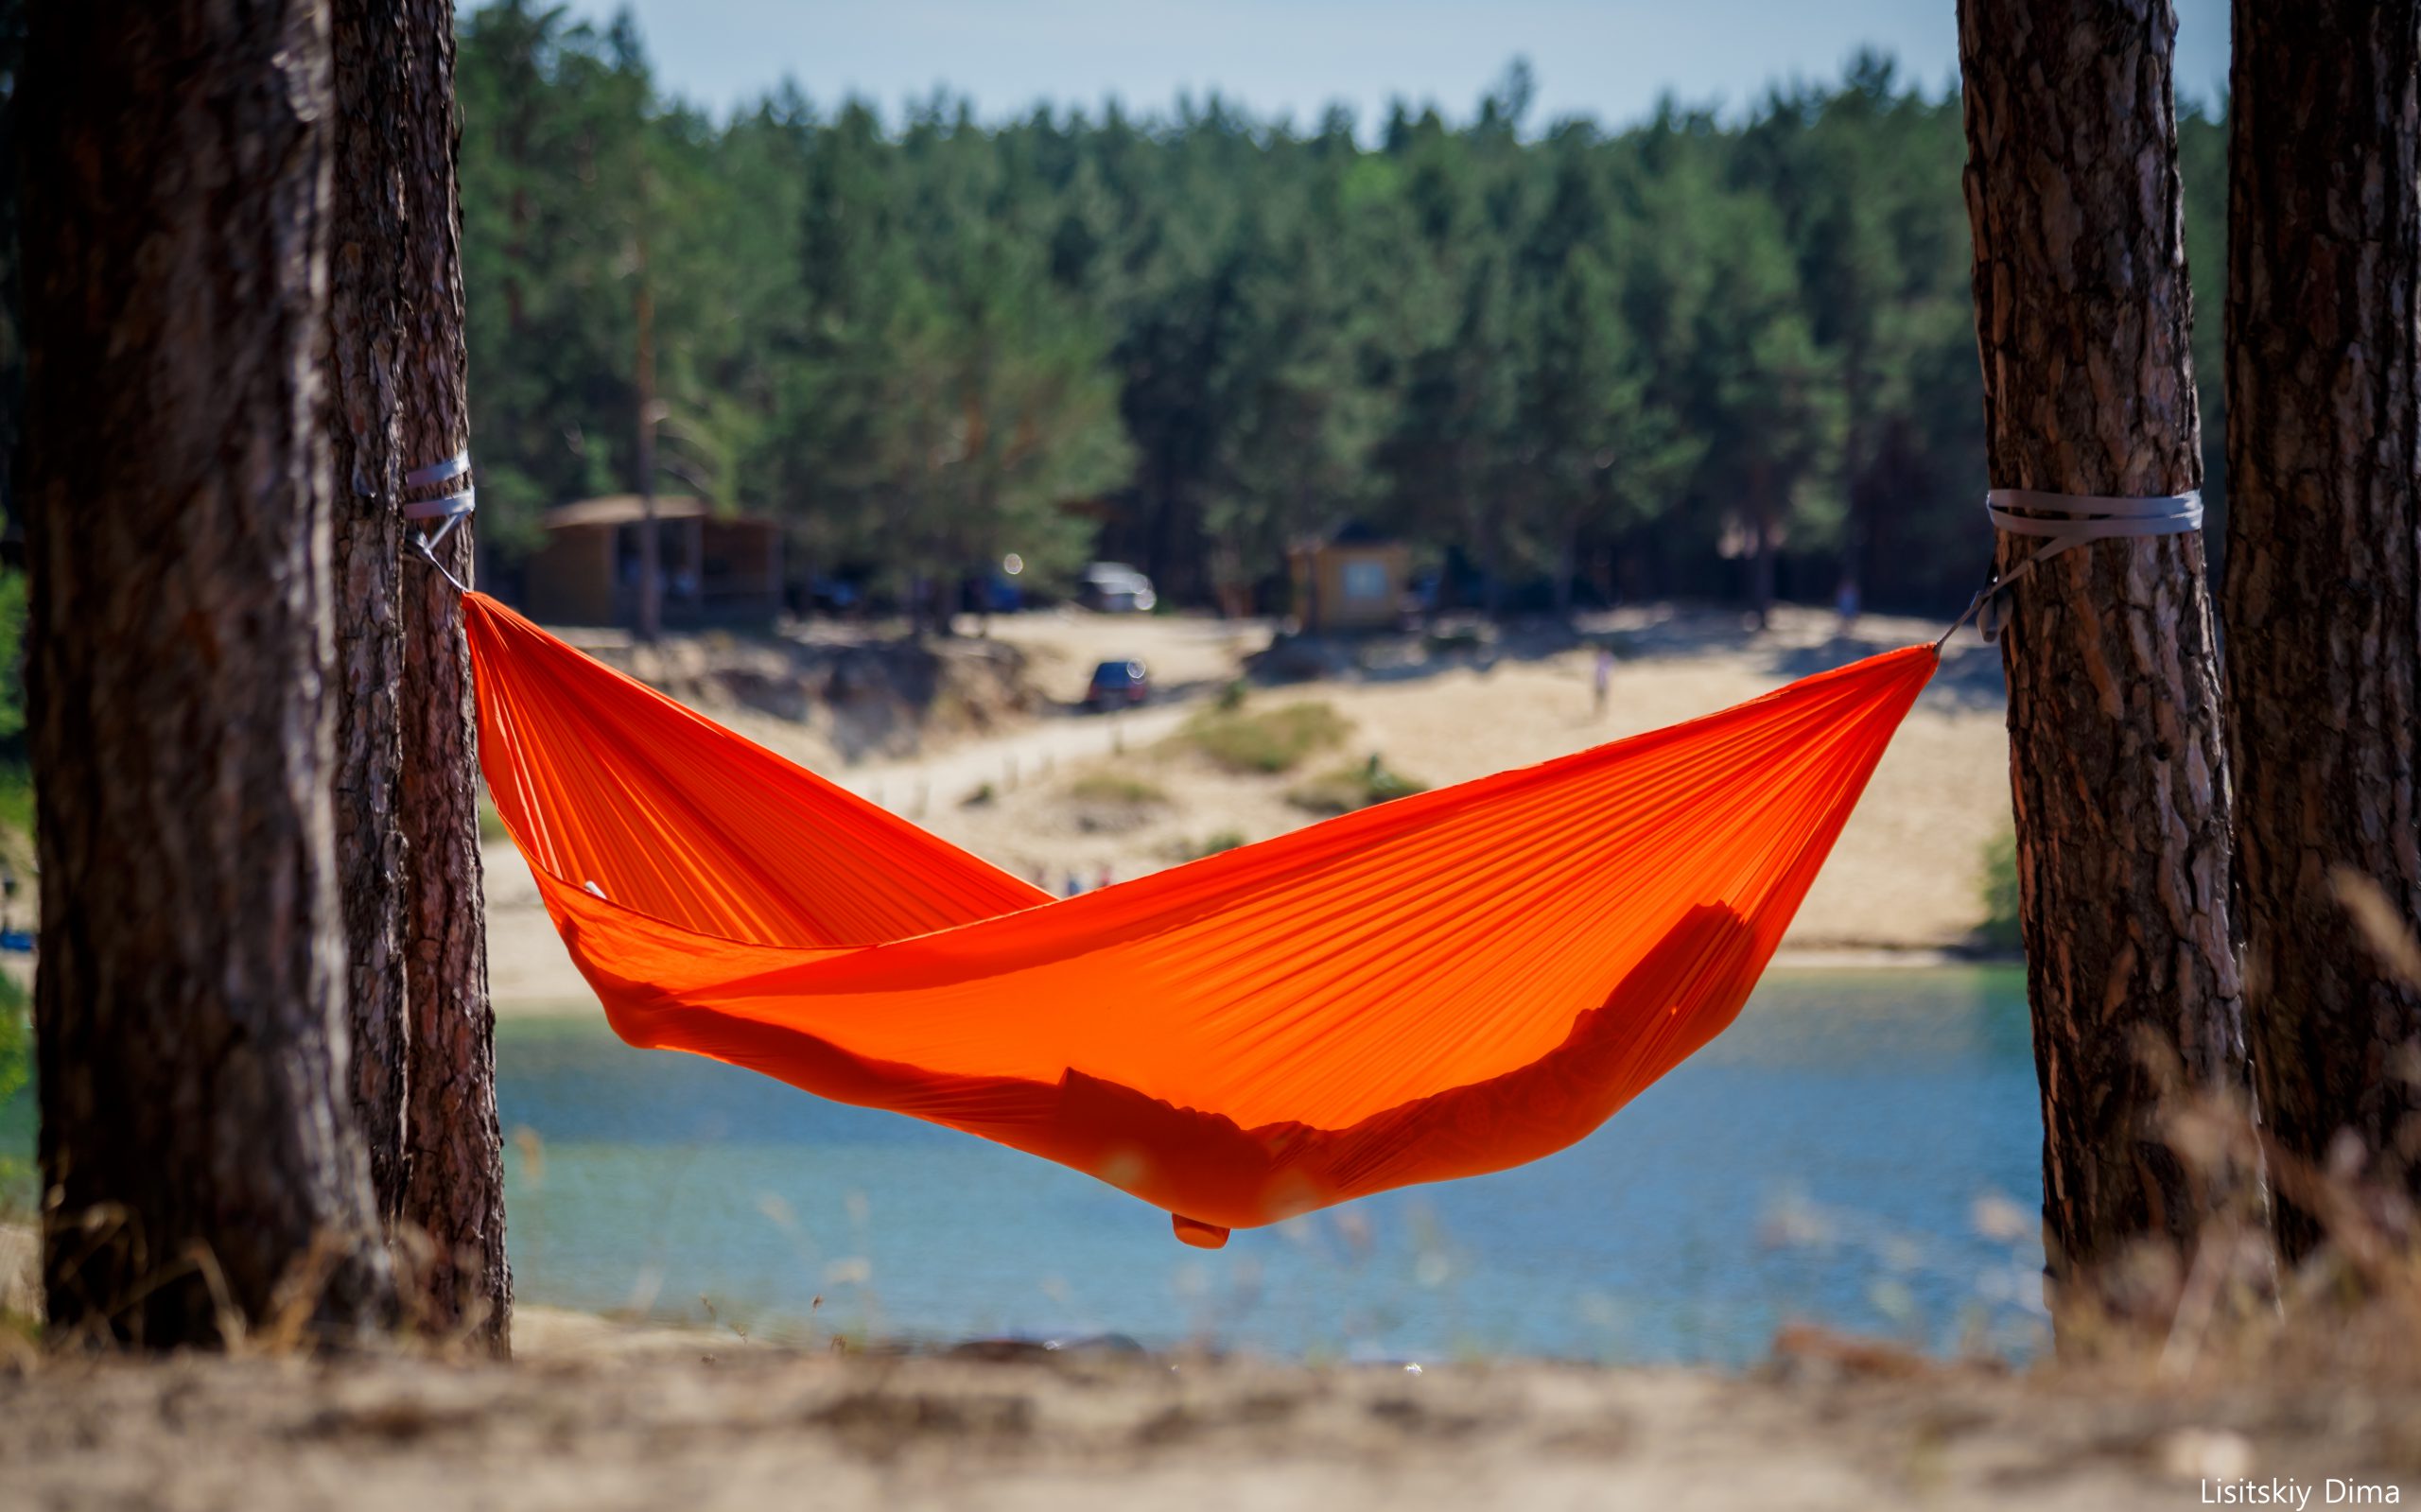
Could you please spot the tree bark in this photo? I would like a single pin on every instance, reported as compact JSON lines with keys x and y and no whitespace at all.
{"x":202,"y":1168}
{"x":454,"y":1185}
{"x":365,"y":334}
{"x":2323,"y":597}
{"x":2117,"y":769}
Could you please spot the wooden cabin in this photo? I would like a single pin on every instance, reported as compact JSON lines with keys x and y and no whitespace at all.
{"x":717,"y":569}
{"x":1354,"y":578}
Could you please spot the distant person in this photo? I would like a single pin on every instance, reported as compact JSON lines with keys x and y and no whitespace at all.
{"x":1601,"y":679}
{"x":1107,"y":877}
{"x":1845,"y":601}
{"x":1074,"y":887}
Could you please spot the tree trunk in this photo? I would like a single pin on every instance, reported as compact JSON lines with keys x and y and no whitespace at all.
{"x":2117,"y":764}
{"x":365,"y":331}
{"x":454,"y":1151}
{"x":1759,"y":569}
{"x":410,"y":788}
{"x":2323,"y":597}
{"x":202,"y":1170}
{"x":651,"y":605}
{"x":1760,"y":572}
{"x":1567,"y":565}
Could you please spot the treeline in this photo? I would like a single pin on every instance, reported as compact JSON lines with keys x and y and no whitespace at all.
{"x":1702,"y":356}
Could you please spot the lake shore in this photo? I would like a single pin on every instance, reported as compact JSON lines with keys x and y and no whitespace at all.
{"x":595,"y":1412}
{"x":660,"y":1419}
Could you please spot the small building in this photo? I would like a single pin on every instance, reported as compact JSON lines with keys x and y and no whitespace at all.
{"x":717,"y":569}
{"x":1354,"y":579}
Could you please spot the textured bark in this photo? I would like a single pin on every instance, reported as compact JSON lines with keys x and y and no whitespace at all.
{"x":454,"y":1152}
{"x":2117,"y":765}
{"x":2323,"y":597}
{"x":365,"y":331}
{"x":200,"y":1164}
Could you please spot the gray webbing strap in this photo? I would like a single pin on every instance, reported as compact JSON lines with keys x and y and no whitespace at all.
{"x":2064,"y":520}
{"x":453,"y":504}
{"x":2072,"y":520}
{"x":452,"y":507}
{"x":446,"y":471}
{"x":444,"y":507}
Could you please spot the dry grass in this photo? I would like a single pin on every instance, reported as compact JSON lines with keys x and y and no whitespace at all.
{"x":2227,"y":1309}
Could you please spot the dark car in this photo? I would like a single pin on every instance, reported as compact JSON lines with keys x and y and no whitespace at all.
{"x":1118,"y":685}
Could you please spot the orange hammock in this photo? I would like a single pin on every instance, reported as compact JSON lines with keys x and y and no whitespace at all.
{"x":1438,"y":986}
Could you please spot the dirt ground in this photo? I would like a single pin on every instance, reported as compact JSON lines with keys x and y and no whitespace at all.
{"x":588,"y":1420}
{"x":1904,"y":882}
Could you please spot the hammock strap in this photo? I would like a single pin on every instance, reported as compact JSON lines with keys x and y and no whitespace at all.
{"x":2064,"y":520}
{"x":450,"y":508}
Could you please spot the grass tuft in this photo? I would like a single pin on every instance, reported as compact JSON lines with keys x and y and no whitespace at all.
{"x":17,"y":1187}
{"x":1115,"y":787}
{"x":491,"y":830}
{"x":1998,"y":884}
{"x":1265,"y":743}
{"x":1211,"y":844}
{"x":1347,"y":789}
{"x":17,"y":798}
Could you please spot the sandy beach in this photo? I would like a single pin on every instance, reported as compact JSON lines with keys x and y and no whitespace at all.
{"x":1905,"y":882}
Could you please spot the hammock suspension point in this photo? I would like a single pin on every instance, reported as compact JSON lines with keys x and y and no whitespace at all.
{"x":2068,"y":520}
{"x":450,"y":508}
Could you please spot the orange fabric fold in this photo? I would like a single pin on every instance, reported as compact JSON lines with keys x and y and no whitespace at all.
{"x":1440,"y":987}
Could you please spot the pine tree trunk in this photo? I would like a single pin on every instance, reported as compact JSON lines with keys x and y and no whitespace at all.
{"x":454,"y":1187}
{"x":1567,"y":565}
{"x":197,"y":1144}
{"x":2323,"y":597}
{"x":648,"y":619}
{"x":365,"y":333}
{"x":2117,"y":764}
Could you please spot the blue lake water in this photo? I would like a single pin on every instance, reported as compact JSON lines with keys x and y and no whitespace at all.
{"x":1826,"y":1160}
{"x":1861,"y":1149}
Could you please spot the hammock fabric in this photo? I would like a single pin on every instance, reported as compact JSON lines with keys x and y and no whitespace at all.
{"x":1439,"y":986}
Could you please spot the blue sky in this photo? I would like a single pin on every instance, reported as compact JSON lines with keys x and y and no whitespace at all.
{"x":1609,"y":58}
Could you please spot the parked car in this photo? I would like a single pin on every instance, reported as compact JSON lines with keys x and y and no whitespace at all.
{"x":1114,"y":587}
{"x":1118,"y":685}
{"x":834,"y":596}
